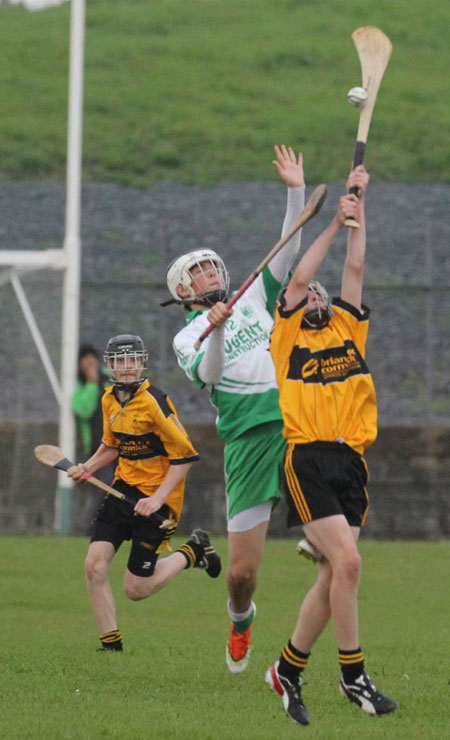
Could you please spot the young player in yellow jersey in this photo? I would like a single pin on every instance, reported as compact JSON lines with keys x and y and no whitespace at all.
{"x":328,"y":403}
{"x":140,"y":428}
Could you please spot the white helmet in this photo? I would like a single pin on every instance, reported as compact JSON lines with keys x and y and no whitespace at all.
{"x":178,"y":273}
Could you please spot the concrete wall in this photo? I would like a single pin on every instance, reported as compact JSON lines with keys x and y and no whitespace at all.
{"x":409,"y":484}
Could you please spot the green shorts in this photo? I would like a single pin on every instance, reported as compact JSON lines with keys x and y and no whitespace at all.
{"x":253,"y":464}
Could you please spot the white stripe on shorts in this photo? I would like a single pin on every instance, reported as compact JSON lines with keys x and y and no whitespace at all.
{"x":250,"y":518}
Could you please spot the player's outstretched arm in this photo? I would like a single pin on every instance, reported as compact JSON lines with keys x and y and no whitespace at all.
{"x":290,"y":168}
{"x":306,"y":269}
{"x":353,"y":272}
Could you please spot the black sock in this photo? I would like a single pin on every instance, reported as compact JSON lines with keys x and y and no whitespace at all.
{"x":352,"y":664}
{"x":292,"y":662}
{"x":192,"y":552}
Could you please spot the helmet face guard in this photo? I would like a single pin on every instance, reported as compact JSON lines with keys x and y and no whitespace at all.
{"x":179,"y":273}
{"x":125,"y":353}
{"x":318,"y":317}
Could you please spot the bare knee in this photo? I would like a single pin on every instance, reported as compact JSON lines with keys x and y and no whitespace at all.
{"x":241,"y":574}
{"x":96,"y":569}
{"x":349,"y":566}
{"x":137,"y":591}
{"x":323,"y":583}
{"x":134,"y":593}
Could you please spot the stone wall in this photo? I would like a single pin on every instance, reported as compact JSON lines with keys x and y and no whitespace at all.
{"x":409,"y":484}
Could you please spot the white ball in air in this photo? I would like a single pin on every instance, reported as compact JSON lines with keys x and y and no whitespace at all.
{"x":357,"y":96}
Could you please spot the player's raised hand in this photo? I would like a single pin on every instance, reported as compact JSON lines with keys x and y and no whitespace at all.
{"x":358,"y":178}
{"x":348,"y":207}
{"x":289,"y":166}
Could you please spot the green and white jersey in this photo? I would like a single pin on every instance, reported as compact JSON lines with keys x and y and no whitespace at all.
{"x":247,"y":394}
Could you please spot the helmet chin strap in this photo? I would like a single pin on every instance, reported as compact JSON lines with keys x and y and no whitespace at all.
{"x":316,"y":318}
{"x":131,"y":387}
{"x":210,"y":299}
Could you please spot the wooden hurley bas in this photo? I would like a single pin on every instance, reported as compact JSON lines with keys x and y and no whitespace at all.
{"x":55,"y":458}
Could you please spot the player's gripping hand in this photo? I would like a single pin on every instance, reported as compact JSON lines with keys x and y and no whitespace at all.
{"x":79,"y":473}
{"x":358,"y":178}
{"x":348,"y":208}
{"x":219,"y":314}
{"x":148,"y":505}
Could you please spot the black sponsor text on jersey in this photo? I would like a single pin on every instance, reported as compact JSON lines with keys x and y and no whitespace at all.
{"x":331,"y":365}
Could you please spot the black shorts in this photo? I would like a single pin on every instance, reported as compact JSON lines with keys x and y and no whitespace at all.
{"x":323,"y":479}
{"x":115,"y":522}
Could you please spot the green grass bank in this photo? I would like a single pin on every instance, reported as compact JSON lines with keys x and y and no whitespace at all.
{"x":198,"y":91}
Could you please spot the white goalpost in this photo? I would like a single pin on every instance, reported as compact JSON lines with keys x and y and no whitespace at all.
{"x":67,"y":259}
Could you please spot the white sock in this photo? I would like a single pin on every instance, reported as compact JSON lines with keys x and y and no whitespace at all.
{"x":239,"y":617}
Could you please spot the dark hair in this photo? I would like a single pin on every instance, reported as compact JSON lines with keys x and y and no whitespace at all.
{"x":87,"y":349}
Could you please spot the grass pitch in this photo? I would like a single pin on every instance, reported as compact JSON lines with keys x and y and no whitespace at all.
{"x":172,"y":682}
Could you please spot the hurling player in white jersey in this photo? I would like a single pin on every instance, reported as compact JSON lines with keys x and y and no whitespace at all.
{"x":234,"y":364}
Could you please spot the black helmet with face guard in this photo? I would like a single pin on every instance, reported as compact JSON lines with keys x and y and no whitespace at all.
{"x":131,"y":347}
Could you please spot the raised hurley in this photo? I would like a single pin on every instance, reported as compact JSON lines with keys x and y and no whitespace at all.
{"x":312,"y":207}
{"x":374,"y":51}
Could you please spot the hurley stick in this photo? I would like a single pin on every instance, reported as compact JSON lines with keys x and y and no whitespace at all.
{"x":312,"y":207}
{"x":54,"y":458}
{"x":374,"y":51}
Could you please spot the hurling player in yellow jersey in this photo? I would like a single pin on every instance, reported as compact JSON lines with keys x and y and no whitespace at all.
{"x":328,"y":403}
{"x":140,"y":428}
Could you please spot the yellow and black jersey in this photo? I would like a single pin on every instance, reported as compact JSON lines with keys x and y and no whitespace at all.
{"x":149,"y":438}
{"x":326,"y":390}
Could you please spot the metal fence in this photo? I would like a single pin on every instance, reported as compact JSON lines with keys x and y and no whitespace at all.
{"x":130,"y":236}
{"x":408,"y":353}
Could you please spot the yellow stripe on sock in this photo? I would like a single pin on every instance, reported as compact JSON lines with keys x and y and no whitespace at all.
{"x":351,"y":659}
{"x":295,"y":660}
{"x":112,"y":636}
{"x":189,"y":552}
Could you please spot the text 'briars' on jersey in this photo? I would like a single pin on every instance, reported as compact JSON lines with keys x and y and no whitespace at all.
{"x":331,"y":365}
